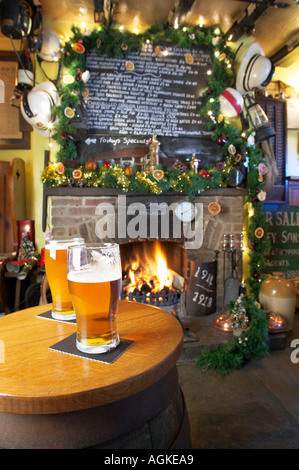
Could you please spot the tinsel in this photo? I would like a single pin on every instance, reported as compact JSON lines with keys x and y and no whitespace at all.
{"x":114,"y":176}
{"x":250,"y":345}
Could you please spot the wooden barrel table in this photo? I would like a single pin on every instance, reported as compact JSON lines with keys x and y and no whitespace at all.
{"x":53,"y":398}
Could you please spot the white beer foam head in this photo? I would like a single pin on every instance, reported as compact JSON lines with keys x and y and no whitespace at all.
{"x":92,"y":274}
{"x":63,"y":244}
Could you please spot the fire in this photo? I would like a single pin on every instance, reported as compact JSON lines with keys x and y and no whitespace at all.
{"x":149,"y":272}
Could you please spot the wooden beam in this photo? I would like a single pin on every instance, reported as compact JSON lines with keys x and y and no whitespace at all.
{"x":246,"y":23}
{"x":180,"y":11}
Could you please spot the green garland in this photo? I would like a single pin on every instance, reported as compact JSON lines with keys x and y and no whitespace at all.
{"x":246,"y":346}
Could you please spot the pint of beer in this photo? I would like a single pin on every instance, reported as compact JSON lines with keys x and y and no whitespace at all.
{"x":56,"y":271}
{"x":94,"y":278}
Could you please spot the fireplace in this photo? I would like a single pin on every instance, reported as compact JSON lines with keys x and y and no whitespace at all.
{"x":153,"y":272}
{"x":75,"y":212}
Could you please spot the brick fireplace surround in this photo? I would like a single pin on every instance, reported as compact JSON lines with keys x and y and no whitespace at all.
{"x":72,"y":212}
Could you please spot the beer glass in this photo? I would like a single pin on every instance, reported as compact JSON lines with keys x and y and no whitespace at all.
{"x":56,"y":271}
{"x":94,"y":278}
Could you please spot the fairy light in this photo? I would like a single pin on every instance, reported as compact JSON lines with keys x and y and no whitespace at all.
{"x":209,"y":72}
{"x":121,"y":28}
{"x":200,"y":21}
{"x":176,"y":23}
{"x":136,"y":31}
{"x":217,"y":31}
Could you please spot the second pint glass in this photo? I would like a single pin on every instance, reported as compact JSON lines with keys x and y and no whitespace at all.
{"x":56,"y":271}
{"x":94,"y":278}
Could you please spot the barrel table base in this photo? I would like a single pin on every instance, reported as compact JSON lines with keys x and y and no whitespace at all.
{"x":155,"y":418}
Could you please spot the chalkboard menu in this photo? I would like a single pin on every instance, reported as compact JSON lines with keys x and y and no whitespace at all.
{"x":283,"y":234}
{"x":155,"y":92}
{"x":145,"y":93}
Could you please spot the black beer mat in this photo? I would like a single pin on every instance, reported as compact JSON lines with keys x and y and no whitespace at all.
{"x":68,"y":346}
{"x":48,"y":316}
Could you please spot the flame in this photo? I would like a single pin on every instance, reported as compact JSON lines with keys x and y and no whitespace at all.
{"x":150,"y":270}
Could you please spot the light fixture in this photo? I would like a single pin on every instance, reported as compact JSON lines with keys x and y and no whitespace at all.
{"x":257,"y":119}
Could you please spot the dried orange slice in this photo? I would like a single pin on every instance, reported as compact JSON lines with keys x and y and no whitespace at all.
{"x":214,"y":208}
{"x":68,"y":79}
{"x":158,"y":174}
{"x":189,"y":58}
{"x":259,"y":232}
{"x":60,"y":168}
{"x":77,"y":174}
{"x":263,"y":169}
{"x":69,"y":112}
{"x":78,"y":48}
{"x":85,"y":92}
{"x":129,"y":65}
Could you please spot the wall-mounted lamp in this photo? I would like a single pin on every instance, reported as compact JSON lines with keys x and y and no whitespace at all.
{"x":257,"y":119}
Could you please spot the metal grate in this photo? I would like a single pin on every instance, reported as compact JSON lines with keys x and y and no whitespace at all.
{"x":159,"y":299}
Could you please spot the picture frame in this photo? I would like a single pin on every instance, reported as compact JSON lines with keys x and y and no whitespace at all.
{"x":14,"y":131}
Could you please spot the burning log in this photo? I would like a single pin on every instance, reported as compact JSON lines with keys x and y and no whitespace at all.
{"x":149,"y":280}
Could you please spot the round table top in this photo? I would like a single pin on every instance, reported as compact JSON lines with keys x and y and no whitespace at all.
{"x":37,"y":380}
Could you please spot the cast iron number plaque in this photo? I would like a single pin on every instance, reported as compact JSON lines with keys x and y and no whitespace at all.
{"x":145,"y":93}
{"x":201,"y":295}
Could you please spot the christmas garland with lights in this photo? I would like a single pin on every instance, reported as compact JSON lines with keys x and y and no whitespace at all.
{"x":250,"y":328}
{"x":236,"y":147}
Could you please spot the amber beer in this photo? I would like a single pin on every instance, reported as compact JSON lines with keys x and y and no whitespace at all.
{"x":56,"y":271}
{"x":94,"y":278}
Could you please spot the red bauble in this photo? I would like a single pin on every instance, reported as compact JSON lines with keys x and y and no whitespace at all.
{"x":67,"y":136}
{"x":107,"y":164}
{"x":222,"y":140}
